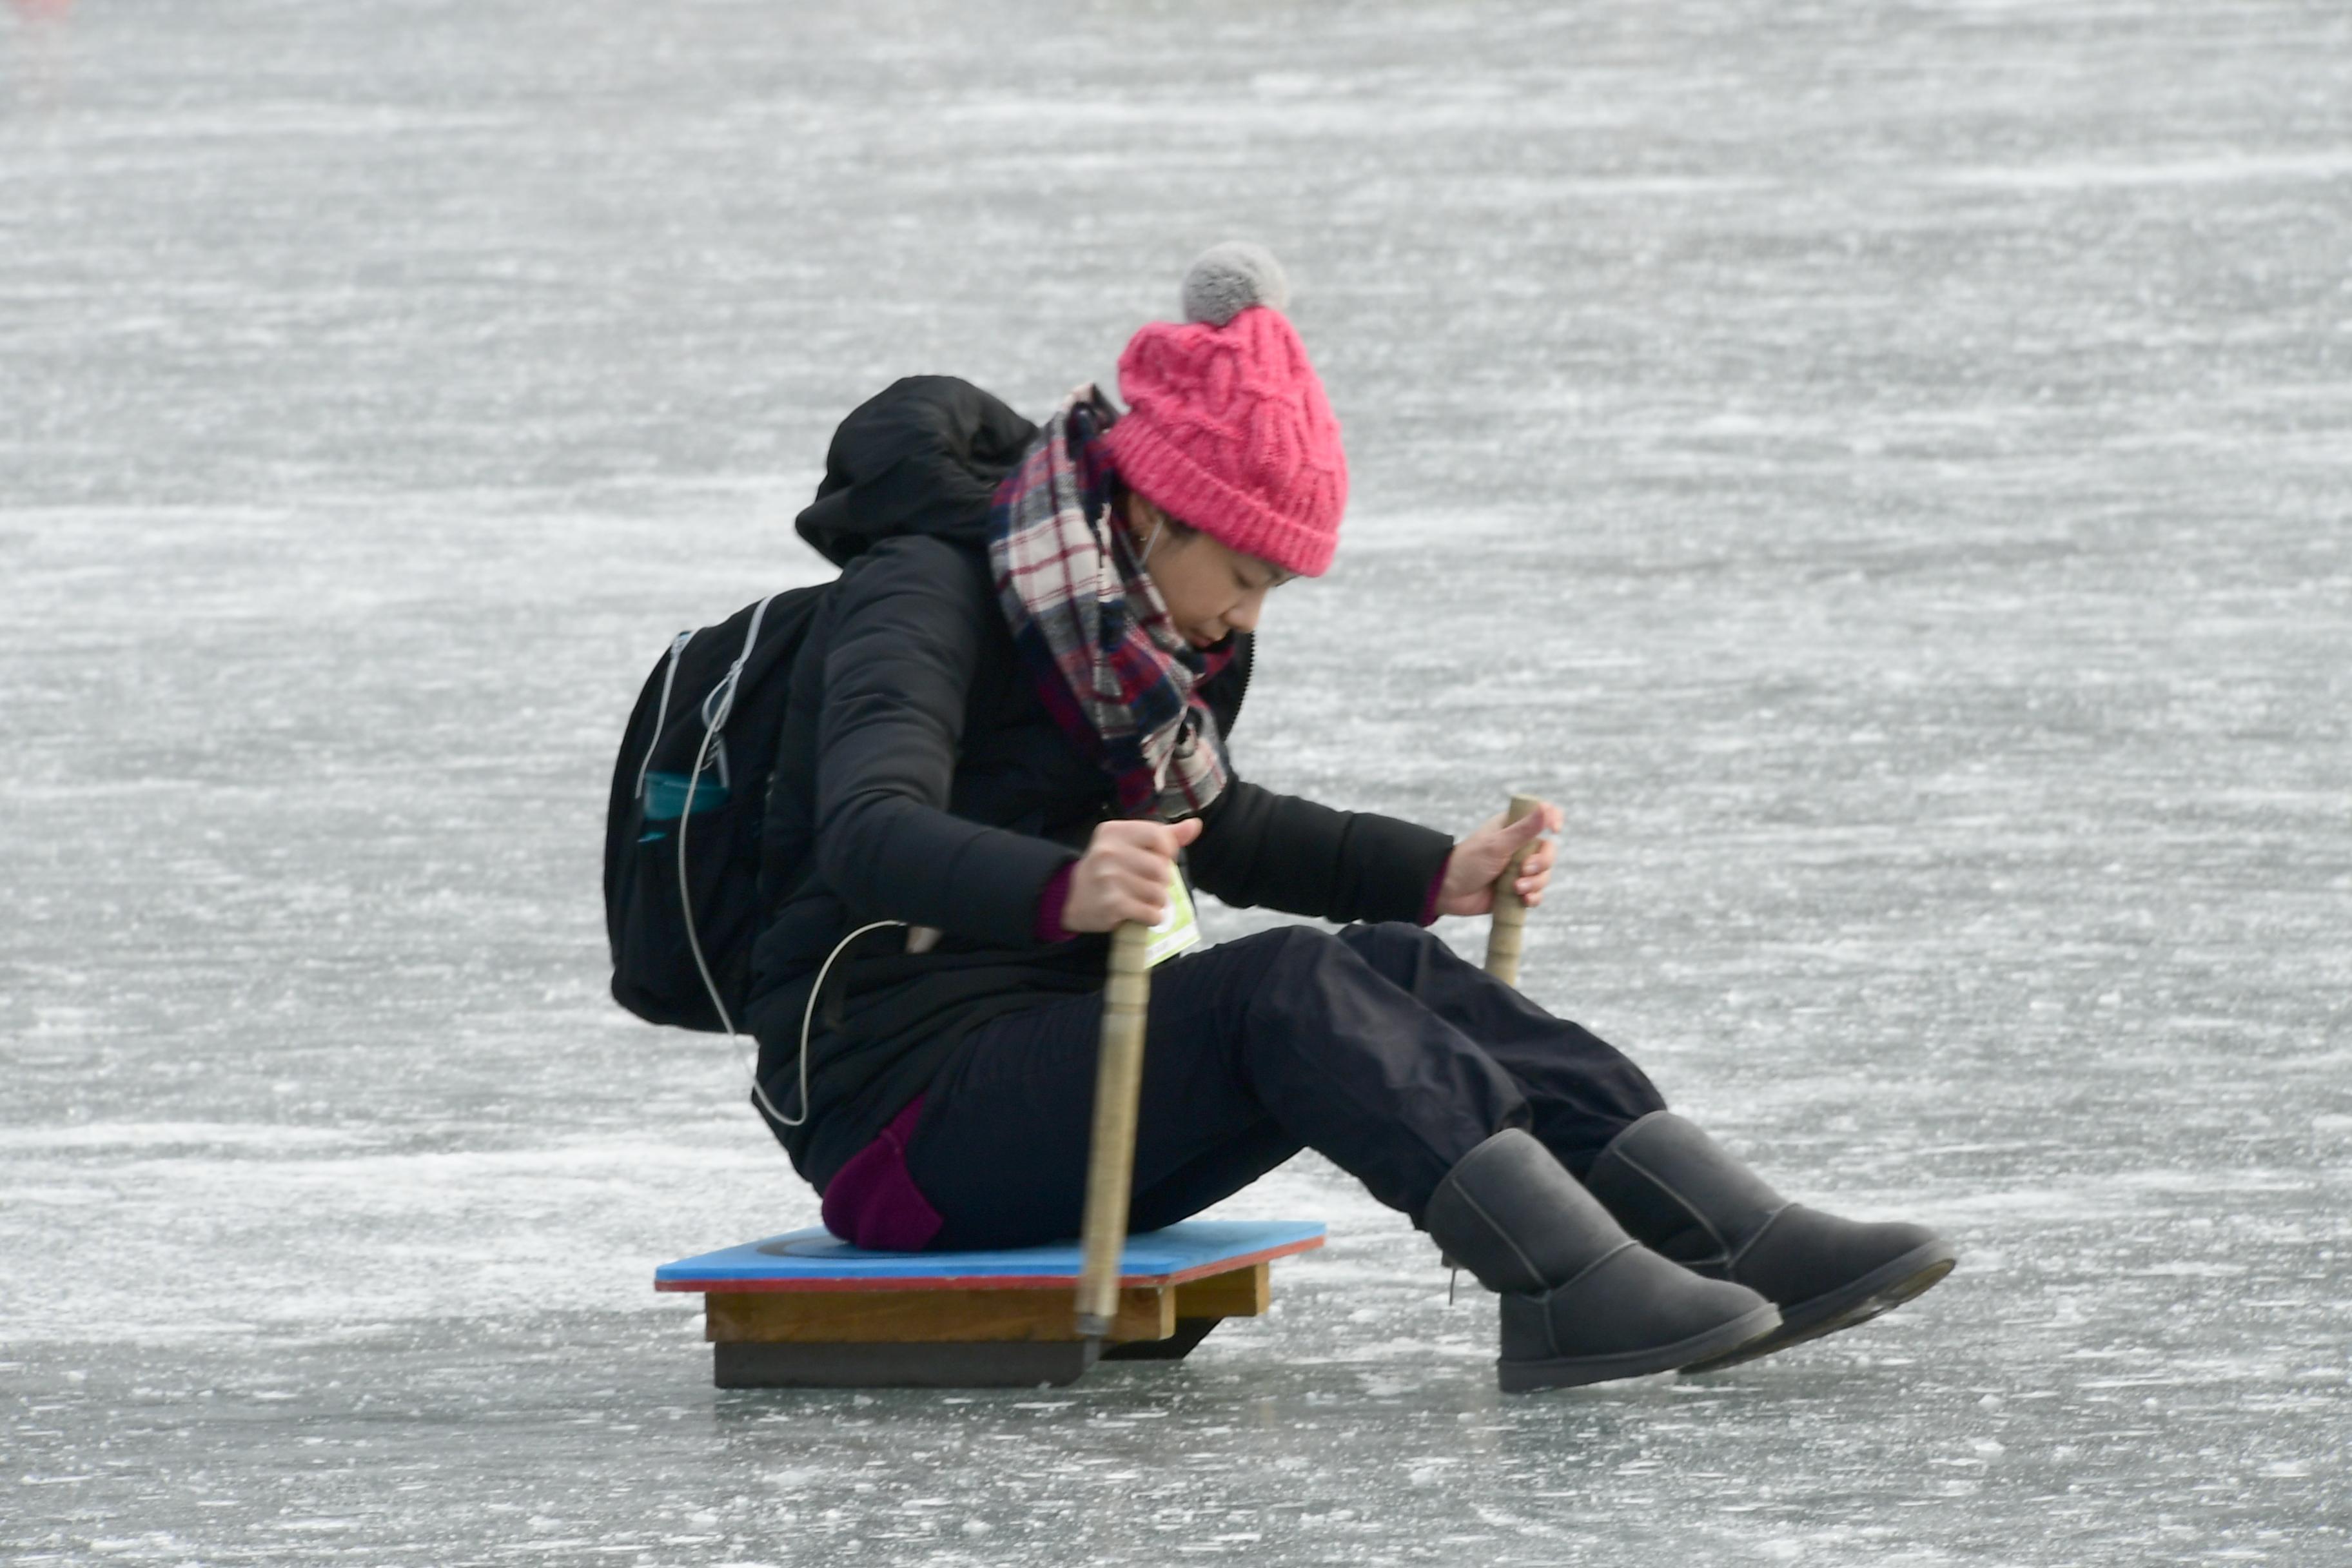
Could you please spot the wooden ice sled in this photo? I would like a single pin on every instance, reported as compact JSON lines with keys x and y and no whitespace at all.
{"x":808,"y":1311}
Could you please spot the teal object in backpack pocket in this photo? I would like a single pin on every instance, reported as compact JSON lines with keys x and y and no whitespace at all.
{"x":666,"y":798}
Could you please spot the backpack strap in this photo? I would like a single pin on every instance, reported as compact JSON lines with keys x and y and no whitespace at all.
{"x":715,"y":710}
{"x":721,"y":700}
{"x":661,"y":712}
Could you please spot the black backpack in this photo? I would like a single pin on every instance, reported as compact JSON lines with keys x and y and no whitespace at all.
{"x":682,"y":831}
{"x":682,"y":834}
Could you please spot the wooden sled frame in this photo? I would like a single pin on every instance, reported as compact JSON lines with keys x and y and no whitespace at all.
{"x":804,"y":1311}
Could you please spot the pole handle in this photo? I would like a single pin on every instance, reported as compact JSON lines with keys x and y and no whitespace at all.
{"x":1110,"y":1154}
{"x":1507,"y":935}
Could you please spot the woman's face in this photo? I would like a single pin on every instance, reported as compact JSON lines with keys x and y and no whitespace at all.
{"x":1210,"y":589}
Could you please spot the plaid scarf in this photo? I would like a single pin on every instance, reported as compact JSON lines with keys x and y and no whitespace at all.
{"x":1111,"y":666}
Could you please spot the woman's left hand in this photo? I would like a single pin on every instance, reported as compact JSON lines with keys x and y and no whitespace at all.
{"x":1468,"y":888}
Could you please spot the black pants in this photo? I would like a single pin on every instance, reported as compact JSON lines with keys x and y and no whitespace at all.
{"x":1377,"y":1047}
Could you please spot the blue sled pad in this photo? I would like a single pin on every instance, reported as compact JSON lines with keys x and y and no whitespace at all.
{"x":815,"y":1259}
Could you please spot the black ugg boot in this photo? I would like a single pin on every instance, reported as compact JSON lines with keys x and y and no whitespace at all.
{"x":1582,"y":1301}
{"x":1683,"y":1194}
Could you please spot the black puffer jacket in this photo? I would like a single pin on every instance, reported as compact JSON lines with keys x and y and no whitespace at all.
{"x":945,"y":796}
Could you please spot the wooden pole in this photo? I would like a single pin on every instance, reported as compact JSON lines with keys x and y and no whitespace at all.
{"x":1110,"y":1155}
{"x":1506,"y":937}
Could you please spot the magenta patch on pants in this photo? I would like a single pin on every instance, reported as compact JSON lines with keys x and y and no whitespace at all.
{"x":872,"y":1201}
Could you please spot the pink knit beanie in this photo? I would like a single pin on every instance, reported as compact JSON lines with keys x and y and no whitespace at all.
{"x":1227,"y":429}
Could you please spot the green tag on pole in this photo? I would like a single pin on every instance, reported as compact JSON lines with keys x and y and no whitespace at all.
{"x":1179,"y":930}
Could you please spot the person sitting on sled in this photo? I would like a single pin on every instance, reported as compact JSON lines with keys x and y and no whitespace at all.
{"x":1017,"y":703}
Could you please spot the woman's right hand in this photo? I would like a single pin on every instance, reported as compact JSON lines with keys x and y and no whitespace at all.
{"x":1123,"y":874}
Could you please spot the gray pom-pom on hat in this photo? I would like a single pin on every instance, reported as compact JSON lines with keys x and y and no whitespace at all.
{"x":1228,"y":278}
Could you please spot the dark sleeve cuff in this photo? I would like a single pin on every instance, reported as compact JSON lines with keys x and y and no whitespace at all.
{"x":1436,"y":885}
{"x":1394,"y":869}
{"x":1284,"y":853}
{"x":1048,"y":927}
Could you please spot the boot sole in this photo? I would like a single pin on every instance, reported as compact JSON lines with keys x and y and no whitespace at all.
{"x":1882,"y":1289}
{"x":1575,"y":1372}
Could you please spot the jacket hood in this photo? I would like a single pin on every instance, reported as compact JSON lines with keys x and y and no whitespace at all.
{"x":924,"y":456}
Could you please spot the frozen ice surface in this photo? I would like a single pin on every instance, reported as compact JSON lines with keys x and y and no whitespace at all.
{"x":1882,"y":465}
